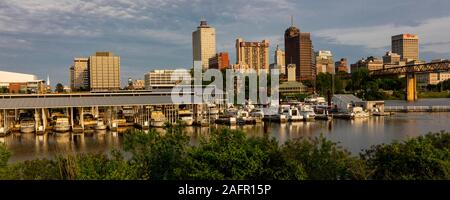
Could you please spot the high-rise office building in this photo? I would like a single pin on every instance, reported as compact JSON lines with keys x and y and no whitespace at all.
{"x":299,"y":51}
{"x":406,"y":45}
{"x":79,"y":74}
{"x":324,"y":62}
{"x":104,"y":71}
{"x":220,"y":61}
{"x":204,"y":44}
{"x":280,"y":60}
{"x":341,"y":65}
{"x":252,"y":55}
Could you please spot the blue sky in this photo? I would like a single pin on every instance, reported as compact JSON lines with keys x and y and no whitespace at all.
{"x":43,"y":36}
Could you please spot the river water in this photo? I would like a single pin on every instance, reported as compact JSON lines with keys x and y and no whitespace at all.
{"x":354,"y":135}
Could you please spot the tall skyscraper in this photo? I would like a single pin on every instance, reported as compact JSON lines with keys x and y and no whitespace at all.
{"x":299,"y":51}
{"x":406,"y":45}
{"x":204,"y":44}
{"x":104,"y":71}
{"x":324,"y":62}
{"x":252,"y":55}
{"x":280,"y":60}
{"x":79,"y":74}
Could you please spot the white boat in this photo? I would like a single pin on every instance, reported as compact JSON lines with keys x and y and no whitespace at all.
{"x":315,"y":100}
{"x":358,"y":112}
{"x":27,"y":125}
{"x":158,"y":119}
{"x":88,"y":120}
{"x":293,"y":114}
{"x":213,"y":111}
{"x":307,"y":112}
{"x":100,"y":125}
{"x":257,"y":114}
{"x":61,"y":124}
{"x":186,"y":117}
{"x":243,"y":117}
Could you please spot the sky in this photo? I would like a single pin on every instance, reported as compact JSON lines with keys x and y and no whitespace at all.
{"x":43,"y":36}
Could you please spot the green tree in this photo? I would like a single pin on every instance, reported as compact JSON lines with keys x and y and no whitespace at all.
{"x":158,"y":156}
{"x":59,"y":88}
{"x":4,"y":155}
{"x":425,"y":157}
{"x":231,"y":155}
{"x":324,"y":160}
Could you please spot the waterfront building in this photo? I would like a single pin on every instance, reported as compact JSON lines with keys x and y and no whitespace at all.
{"x":220,"y":61}
{"x":299,"y":51}
{"x":166,"y":78}
{"x":344,"y":102}
{"x":371,"y":63}
{"x":104,"y":71}
{"x":252,"y":55}
{"x":204,"y":44}
{"x":406,"y":45}
{"x":391,"y":59}
{"x":79,"y":74}
{"x":324,"y":62}
{"x":292,"y":87}
{"x":12,"y":82}
{"x":138,"y":84}
{"x":341,"y":66}
{"x":425,"y":79}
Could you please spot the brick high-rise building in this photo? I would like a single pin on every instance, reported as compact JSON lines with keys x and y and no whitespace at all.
{"x":299,"y":51}
{"x":252,"y":55}
{"x":204,"y":44}
{"x":220,"y":61}
{"x":406,"y":45}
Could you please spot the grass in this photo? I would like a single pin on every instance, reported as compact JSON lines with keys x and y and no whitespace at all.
{"x":429,"y":95}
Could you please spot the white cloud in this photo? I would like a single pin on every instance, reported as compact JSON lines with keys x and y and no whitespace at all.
{"x":434,"y":35}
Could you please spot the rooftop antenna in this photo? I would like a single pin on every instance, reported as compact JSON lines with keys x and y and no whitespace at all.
{"x":292,"y":20}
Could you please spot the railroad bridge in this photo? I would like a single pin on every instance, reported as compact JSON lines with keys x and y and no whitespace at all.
{"x":410,"y":71}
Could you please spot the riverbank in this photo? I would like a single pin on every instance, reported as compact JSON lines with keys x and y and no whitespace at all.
{"x":354,"y":135}
{"x":231,"y":155}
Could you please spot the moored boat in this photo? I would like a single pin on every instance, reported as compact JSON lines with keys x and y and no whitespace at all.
{"x":27,"y":125}
{"x":61,"y":124}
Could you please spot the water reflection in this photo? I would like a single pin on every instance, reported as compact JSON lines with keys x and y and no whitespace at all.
{"x":352,"y":134}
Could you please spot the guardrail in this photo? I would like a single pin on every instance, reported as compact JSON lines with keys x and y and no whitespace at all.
{"x":417,"y":108}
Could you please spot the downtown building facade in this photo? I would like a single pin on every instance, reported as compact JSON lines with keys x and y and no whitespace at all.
{"x":79,"y":75}
{"x":341,"y":66}
{"x":157,"y":79}
{"x":370,"y":63}
{"x":220,"y":61}
{"x":299,"y":51}
{"x":203,"y":44}
{"x":252,"y":55}
{"x":406,"y":45}
{"x":279,"y":61}
{"x":99,"y":72}
{"x":20,"y":83}
{"x":324,"y":62}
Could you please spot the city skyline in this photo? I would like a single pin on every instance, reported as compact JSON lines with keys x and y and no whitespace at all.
{"x":42,"y":37}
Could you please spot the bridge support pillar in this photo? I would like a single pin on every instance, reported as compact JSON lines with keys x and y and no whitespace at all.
{"x":44,"y":118}
{"x":411,"y":88}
